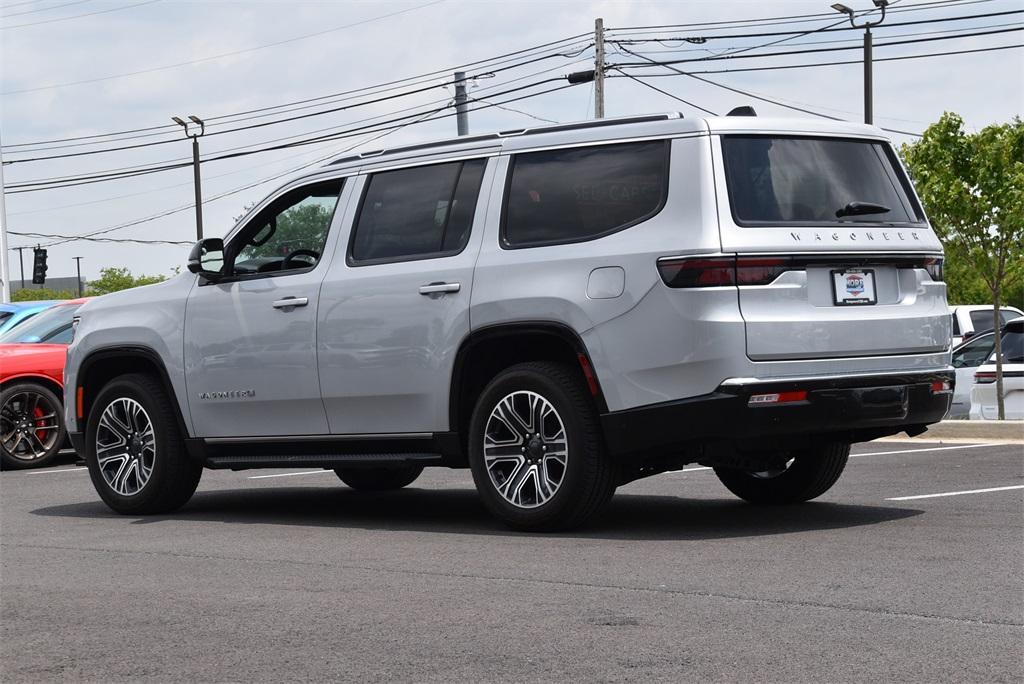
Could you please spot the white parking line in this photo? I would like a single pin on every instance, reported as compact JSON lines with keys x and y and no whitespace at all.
{"x":305,"y":472}
{"x":50,"y":472}
{"x":914,"y":451}
{"x":968,"y":491}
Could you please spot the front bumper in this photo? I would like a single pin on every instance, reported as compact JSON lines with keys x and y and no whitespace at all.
{"x":850,"y":408}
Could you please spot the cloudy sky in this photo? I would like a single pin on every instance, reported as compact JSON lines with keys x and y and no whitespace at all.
{"x":74,"y":68}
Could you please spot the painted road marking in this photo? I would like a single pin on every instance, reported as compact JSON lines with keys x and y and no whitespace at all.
{"x":914,"y":451}
{"x":305,"y":472}
{"x":968,"y":491}
{"x":50,"y":472}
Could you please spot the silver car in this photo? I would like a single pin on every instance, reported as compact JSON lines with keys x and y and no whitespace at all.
{"x":561,"y":309}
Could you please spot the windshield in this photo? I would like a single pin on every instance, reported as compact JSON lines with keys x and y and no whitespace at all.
{"x":982,"y":318}
{"x":52,"y":326}
{"x":796,"y":181}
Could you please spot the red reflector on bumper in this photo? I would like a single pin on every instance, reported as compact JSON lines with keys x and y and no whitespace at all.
{"x":777,"y":398}
{"x":941,"y":387}
{"x":79,"y":394}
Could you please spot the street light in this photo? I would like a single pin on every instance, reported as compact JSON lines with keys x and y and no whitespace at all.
{"x":867,"y":26}
{"x":195,"y":165}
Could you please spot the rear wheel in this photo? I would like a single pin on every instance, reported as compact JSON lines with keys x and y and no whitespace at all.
{"x":805,"y":475}
{"x":536,"y":449}
{"x":134,"y":448}
{"x":31,"y":426}
{"x":379,"y":479}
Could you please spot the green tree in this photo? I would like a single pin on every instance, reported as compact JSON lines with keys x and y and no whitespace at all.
{"x":972,"y":186}
{"x":113,"y":279}
{"x":29,"y":294}
{"x":301,"y":227}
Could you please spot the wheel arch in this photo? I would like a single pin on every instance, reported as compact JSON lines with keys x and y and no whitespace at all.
{"x":39,"y":379}
{"x":488,"y":350}
{"x":103,"y":365}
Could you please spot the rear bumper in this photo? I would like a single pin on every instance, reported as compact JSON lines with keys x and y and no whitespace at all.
{"x":850,"y":408}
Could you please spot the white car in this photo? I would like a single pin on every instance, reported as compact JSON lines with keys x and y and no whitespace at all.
{"x":974,"y":319}
{"x":983,"y":393}
{"x":967,"y":358}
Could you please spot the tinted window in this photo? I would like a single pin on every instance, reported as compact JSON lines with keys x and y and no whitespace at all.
{"x":974,"y":353}
{"x":1013,"y":347}
{"x":290,"y":233}
{"x":423,"y":211}
{"x":956,"y":324}
{"x":982,"y":319}
{"x":45,"y":327}
{"x":786,"y":180}
{"x":560,"y":196}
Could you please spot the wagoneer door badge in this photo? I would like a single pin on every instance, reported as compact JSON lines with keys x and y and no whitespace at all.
{"x":229,"y":394}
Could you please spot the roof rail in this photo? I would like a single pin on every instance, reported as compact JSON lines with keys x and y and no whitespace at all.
{"x":554,"y":128}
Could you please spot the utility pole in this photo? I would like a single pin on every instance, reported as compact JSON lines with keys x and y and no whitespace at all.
{"x":599,"y":68}
{"x":78,"y":269}
{"x":5,"y":264}
{"x":869,"y":107}
{"x":195,"y":166}
{"x":461,"y":103}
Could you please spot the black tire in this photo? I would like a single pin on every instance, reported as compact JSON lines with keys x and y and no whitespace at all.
{"x":47,"y":421}
{"x":811,"y":474}
{"x":379,"y":479}
{"x":174,"y":476}
{"x":588,"y":478}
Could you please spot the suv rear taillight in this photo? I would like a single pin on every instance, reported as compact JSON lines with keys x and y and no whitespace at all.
{"x":934,"y":267}
{"x":984,"y":377}
{"x":719,"y":271}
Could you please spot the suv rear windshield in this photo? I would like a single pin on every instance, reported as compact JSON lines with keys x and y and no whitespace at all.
{"x":775,"y":180}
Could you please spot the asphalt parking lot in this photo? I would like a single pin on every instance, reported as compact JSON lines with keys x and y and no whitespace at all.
{"x":288,"y":575}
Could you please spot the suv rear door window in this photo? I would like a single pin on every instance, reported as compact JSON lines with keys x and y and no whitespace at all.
{"x":425,"y":211}
{"x":775,"y":180}
{"x":571,"y":195}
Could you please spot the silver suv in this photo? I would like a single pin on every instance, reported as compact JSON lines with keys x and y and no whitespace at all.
{"x":561,"y":309}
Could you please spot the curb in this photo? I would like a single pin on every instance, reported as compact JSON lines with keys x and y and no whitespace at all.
{"x":1011,"y":431}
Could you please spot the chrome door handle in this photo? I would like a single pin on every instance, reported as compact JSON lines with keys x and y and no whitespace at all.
{"x":435,"y":288}
{"x":289,"y":302}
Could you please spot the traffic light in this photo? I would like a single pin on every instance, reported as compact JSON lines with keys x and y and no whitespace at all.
{"x":39,"y":266}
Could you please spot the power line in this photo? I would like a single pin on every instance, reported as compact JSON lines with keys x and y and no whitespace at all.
{"x":78,"y":16}
{"x":41,"y":9}
{"x":665,"y":92}
{"x":830,"y":49}
{"x":39,"y":185}
{"x":516,"y":111}
{"x":214,"y":57}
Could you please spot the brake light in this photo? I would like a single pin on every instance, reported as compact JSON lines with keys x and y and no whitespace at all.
{"x":776,"y":398}
{"x":761,"y":270}
{"x":698,"y":272}
{"x":934,"y":267}
{"x":984,"y":377}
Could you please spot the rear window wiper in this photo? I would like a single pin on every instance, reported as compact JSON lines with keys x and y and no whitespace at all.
{"x":861,"y":209}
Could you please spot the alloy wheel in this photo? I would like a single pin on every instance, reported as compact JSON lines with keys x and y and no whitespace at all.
{"x":526,"y":449}
{"x":29,"y":425}
{"x":125,"y":446}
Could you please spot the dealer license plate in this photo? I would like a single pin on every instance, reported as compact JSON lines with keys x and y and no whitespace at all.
{"x":853,"y":287}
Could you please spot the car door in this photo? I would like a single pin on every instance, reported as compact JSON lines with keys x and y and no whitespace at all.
{"x":966,"y":360}
{"x":250,"y":340}
{"x":393,"y":312}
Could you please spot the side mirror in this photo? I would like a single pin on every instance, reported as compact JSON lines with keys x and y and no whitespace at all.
{"x":207,"y":258}
{"x":968,"y":335}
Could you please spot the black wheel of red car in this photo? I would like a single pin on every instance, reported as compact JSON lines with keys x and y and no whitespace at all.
{"x":800,"y":476}
{"x":379,"y":479}
{"x":134,"y":448}
{"x":31,"y":425}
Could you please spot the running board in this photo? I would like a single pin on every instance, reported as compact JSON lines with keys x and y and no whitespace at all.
{"x":244,"y":462}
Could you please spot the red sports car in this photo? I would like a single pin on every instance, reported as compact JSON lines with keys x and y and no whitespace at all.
{"x":32,"y":358}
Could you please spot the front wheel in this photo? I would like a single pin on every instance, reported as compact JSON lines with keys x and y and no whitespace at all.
{"x":134,"y":448}
{"x":31,"y":426}
{"x":536,"y":449}
{"x":805,"y":475}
